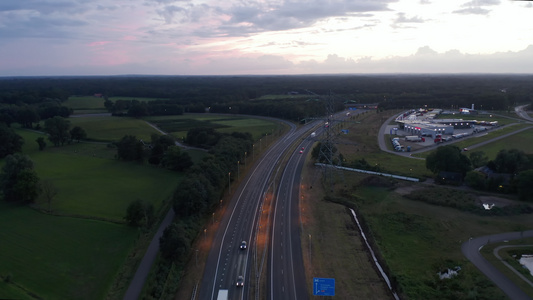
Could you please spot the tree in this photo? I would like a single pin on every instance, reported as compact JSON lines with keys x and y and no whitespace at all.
{"x":159,"y":145}
{"x":129,"y":148}
{"x":174,"y":242}
{"x":10,"y":142}
{"x":476,"y":180}
{"x":48,"y":192}
{"x":138,"y":110}
{"x":58,"y":130}
{"x":478,"y":159}
{"x":175,"y":160}
{"x":449,"y":159}
{"x":77,"y":133}
{"x":524,"y":185}
{"x":19,"y":181}
{"x":193,"y":196}
{"x":41,"y":142}
{"x":26,"y":116}
{"x":509,"y":161}
{"x":140,"y":213}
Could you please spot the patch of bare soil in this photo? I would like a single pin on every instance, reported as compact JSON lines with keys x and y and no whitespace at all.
{"x":407,"y":188}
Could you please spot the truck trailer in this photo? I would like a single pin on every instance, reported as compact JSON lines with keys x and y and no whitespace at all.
{"x":414,"y":138}
{"x":222,"y":295}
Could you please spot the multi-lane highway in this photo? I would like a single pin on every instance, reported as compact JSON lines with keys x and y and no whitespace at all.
{"x":226,"y":261}
{"x":287,"y":277}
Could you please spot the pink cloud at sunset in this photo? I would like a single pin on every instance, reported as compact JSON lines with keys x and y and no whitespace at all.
{"x":207,"y":37}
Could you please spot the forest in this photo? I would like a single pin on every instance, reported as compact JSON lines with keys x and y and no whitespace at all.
{"x":29,"y":99}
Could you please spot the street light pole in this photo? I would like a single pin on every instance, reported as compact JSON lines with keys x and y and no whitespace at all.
{"x":310,"y":256}
{"x":238,"y":173}
{"x":229,"y":182}
{"x":469,"y":246}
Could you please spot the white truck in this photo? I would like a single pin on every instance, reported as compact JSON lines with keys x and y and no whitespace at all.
{"x":413,"y":138}
{"x":222,"y":295}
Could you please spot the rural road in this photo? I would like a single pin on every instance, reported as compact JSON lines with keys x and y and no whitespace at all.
{"x":471,"y":250}
{"x":137,"y":283}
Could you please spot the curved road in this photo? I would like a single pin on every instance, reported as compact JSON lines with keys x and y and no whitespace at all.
{"x":471,"y":249}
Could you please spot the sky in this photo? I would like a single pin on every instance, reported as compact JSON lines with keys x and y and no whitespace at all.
{"x":256,"y":37}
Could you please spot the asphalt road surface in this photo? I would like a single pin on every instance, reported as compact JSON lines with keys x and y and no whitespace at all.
{"x":225,"y":260}
{"x":471,"y":249}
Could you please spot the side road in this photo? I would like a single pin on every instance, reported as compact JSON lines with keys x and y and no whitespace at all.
{"x":471,"y":249}
{"x":137,"y":283}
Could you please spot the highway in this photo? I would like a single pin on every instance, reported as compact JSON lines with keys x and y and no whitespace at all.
{"x":225,"y":261}
{"x":287,"y":273}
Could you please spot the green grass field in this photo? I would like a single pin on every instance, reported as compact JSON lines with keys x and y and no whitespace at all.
{"x":94,"y":184}
{"x":178,"y":126}
{"x":85,"y":103}
{"x":521,"y":141}
{"x":481,"y":117}
{"x":109,"y":129}
{"x":59,"y":257}
{"x":62,"y":257}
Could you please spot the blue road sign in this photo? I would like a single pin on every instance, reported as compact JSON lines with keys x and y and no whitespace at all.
{"x":324,"y":286}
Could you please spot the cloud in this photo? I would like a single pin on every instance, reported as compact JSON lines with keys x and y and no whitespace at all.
{"x":475,"y":7}
{"x":260,"y":17}
{"x":244,"y":18}
{"x":426,"y":60}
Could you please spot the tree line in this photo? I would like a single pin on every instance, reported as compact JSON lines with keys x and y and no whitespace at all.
{"x":510,"y":172}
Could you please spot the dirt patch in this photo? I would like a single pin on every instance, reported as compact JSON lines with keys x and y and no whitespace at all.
{"x":497,"y":201}
{"x":406,"y":189}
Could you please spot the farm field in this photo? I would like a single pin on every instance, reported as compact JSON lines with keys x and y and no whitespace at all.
{"x":108,"y":129}
{"x":84,"y":103}
{"x":178,"y":126}
{"x":95,"y":186}
{"x":54,"y":257}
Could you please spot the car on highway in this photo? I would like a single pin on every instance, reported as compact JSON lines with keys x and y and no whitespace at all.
{"x":240,"y":281}
{"x":301,"y":151}
{"x":243,"y":245}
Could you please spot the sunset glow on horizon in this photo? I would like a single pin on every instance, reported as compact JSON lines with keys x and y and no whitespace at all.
{"x":207,"y":37}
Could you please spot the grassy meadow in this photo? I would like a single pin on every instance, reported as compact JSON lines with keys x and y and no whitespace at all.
{"x":86,"y":104}
{"x":108,"y":129}
{"x":178,"y":126}
{"x":53,"y":257}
